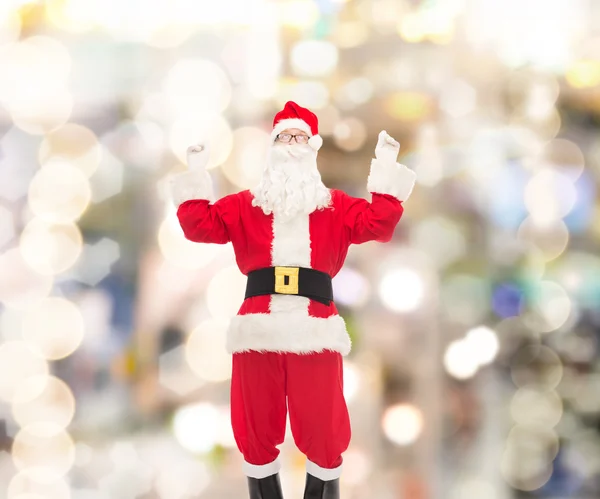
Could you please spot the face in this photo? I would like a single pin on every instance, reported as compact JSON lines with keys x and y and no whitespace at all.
{"x":301,"y":137}
{"x":291,"y":182}
{"x":293,"y":148}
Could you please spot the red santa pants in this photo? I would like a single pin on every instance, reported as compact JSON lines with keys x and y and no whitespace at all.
{"x":265,"y":385}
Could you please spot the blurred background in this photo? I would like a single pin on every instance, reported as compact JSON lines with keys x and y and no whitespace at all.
{"x":474,"y":371}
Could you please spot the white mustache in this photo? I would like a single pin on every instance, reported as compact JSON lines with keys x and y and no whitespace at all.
{"x":297,"y":151}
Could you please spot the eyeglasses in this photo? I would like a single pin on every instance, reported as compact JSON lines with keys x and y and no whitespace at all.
{"x":287,"y":137}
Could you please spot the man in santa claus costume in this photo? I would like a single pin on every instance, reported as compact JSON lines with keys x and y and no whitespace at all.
{"x":291,"y":235}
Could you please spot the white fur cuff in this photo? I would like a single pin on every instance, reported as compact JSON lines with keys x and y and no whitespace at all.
{"x":324,"y":474}
{"x":394,"y":179}
{"x":261,"y":471}
{"x":190,"y":185}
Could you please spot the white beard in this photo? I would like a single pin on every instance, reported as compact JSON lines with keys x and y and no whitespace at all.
{"x":291,"y":183}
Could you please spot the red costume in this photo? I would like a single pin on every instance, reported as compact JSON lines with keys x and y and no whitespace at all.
{"x":287,"y":349}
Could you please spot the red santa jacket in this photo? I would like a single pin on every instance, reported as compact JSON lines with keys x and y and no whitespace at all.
{"x":291,"y":323}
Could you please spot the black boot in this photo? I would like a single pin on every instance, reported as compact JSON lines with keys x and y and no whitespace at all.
{"x":319,"y":489}
{"x":265,"y":488}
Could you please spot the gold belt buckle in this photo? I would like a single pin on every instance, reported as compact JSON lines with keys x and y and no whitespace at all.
{"x":291,"y":288}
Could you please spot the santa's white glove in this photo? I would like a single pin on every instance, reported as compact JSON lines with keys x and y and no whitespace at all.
{"x":198,"y":157}
{"x":194,"y":183}
{"x":387,"y":176}
{"x":387,"y":149}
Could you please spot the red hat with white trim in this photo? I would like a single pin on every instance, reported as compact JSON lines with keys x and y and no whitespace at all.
{"x":295,"y":116}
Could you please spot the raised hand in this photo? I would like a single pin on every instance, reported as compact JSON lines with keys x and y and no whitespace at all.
{"x":387,"y":148}
{"x":197,"y":157}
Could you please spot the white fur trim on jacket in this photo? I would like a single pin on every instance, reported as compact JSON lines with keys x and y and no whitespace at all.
{"x":324,"y":474}
{"x":282,"y":125}
{"x":394,"y":179}
{"x":294,"y":331}
{"x":190,"y":185}
{"x":261,"y":471}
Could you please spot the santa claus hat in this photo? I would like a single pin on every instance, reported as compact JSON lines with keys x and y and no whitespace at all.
{"x":295,"y":116}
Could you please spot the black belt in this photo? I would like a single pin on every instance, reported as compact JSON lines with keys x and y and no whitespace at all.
{"x":299,"y":281}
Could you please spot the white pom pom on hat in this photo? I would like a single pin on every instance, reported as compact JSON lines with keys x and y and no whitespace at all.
{"x":316,"y":141}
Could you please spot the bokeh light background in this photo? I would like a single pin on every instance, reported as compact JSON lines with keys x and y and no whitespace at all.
{"x":475,"y":369}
